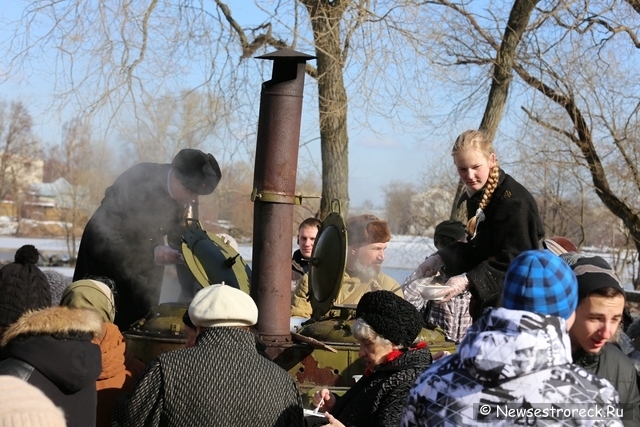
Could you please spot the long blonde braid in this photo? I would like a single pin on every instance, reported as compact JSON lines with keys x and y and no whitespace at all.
{"x":492,"y":184}
{"x":474,"y":139}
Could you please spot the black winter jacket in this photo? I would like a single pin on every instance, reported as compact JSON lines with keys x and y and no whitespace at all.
{"x":299,"y":267}
{"x":56,"y":341}
{"x":136,"y":213}
{"x":613,"y":365}
{"x":378,"y":399}
{"x":511,"y":226}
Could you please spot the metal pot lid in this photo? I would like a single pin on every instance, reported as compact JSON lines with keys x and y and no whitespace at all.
{"x":212,"y":261}
{"x":328,"y":262}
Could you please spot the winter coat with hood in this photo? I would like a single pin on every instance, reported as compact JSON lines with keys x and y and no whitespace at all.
{"x":613,"y":365}
{"x":513,"y":358}
{"x":119,"y":368}
{"x":377,"y":399}
{"x":56,"y":341}
{"x":511,"y":225}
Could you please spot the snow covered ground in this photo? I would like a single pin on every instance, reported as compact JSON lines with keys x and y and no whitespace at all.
{"x":403,"y":254}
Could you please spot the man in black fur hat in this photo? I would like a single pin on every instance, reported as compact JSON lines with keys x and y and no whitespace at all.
{"x":124,"y":239}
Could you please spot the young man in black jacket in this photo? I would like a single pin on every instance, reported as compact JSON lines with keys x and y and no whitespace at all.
{"x":307,"y":233}
{"x":601,"y":300}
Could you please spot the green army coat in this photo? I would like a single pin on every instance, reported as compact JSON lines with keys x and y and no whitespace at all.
{"x":351,"y":291}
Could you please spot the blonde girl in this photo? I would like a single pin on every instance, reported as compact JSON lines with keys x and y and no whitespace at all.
{"x":503,"y":221}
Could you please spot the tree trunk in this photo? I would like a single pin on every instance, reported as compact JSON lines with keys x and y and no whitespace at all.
{"x":502,"y":74}
{"x":502,"y":70}
{"x":325,"y":21}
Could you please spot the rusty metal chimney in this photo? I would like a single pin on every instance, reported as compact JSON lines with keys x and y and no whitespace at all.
{"x":274,"y":184}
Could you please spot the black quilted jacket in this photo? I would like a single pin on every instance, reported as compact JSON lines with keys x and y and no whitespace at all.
{"x":222,"y":381}
{"x":377,"y":399}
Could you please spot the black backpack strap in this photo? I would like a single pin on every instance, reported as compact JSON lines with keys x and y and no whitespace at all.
{"x":17,"y":368}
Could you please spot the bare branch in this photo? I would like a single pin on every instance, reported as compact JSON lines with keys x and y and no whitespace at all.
{"x":249,"y":48}
{"x":584,"y":142}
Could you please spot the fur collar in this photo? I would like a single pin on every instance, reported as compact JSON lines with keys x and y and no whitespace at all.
{"x":55,"y":320}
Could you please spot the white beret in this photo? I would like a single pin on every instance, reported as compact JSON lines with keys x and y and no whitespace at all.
{"x":222,"y":305}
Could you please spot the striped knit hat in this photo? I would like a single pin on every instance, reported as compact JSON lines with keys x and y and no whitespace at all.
{"x":540,"y":282}
{"x":592,"y":273}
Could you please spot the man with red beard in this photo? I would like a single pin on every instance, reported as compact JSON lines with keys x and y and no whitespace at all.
{"x":601,"y":301}
{"x":367,"y":237}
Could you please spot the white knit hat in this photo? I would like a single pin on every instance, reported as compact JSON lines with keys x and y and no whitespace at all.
{"x":222,"y":305}
{"x":23,"y":405}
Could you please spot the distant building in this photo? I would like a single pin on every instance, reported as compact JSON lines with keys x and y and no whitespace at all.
{"x":17,"y":173}
{"x":54,"y":200}
{"x":22,"y":171}
{"x":428,"y":209}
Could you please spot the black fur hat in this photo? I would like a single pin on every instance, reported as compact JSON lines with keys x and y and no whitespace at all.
{"x":23,"y":286}
{"x":390,"y":316}
{"x":448,"y":232}
{"x":197,"y":171}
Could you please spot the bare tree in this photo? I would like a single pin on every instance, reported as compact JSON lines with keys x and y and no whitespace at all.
{"x":20,"y":163}
{"x":398,"y":197}
{"x":505,"y":51}
{"x":594,"y":102}
{"x":74,"y":159}
{"x":113,"y":55}
{"x":588,"y":97}
{"x":372,"y":33}
{"x":167,"y":124}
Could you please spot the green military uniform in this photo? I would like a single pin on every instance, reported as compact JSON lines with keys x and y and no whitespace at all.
{"x":351,"y":291}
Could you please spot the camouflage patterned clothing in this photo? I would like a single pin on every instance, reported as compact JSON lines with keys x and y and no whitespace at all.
{"x":513,"y":360}
{"x":351,"y":291}
{"x":222,"y":381}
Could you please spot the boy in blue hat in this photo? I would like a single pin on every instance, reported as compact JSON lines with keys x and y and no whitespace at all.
{"x":518,"y":356}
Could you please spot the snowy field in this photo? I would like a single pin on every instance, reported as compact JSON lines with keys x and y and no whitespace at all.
{"x":403,"y":254}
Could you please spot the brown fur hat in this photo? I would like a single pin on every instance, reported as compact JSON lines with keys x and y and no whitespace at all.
{"x":366,"y":229}
{"x":53,"y":321}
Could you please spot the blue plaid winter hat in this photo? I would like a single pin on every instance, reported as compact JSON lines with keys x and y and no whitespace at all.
{"x":540,"y":282}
